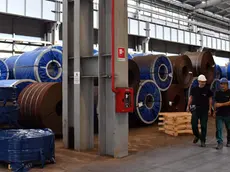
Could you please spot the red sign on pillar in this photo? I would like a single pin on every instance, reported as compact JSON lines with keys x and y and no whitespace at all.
{"x":121,"y":54}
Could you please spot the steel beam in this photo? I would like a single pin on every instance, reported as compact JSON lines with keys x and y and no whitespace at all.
{"x":209,"y":3}
{"x":77,"y":89}
{"x":113,"y":127}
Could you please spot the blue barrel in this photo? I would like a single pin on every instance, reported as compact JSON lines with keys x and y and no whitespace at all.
{"x":43,"y":65}
{"x":4,"y":70}
{"x":18,"y":84}
{"x":148,"y":102}
{"x":218,"y":72}
{"x":10,"y":63}
{"x":155,"y":67}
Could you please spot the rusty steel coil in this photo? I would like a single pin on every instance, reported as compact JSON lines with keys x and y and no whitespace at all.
{"x":182,"y":70}
{"x":203,"y":63}
{"x":134,"y":75}
{"x":173,"y":100}
{"x":41,"y":106}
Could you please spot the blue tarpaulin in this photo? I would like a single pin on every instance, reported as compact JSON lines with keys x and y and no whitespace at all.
{"x":18,"y":84}
{"x":21,"y":148}
{"x":9,"y":108}
{"x":42,"y":64}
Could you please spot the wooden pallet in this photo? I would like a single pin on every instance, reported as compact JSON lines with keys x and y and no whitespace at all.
{"x":175,"y":123}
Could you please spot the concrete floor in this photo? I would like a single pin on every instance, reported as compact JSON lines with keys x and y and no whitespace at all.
{"x":149,"y":151}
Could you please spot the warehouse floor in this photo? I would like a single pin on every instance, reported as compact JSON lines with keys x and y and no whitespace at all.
{"x":150,"y":150}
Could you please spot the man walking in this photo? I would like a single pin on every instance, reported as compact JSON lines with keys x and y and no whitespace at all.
{"x":222,"y":113}
{"x":200,"y":103}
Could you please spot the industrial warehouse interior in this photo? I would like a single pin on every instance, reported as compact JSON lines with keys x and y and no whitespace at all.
{"x":115,"y":85}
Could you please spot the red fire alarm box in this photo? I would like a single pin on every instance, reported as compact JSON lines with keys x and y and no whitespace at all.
{"x":124,"y":100}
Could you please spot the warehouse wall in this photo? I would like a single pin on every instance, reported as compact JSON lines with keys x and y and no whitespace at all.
{"x":41,"y":9}
{"x":22,"y":28}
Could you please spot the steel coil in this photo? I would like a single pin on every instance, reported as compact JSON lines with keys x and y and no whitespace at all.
{"x":10,"y":64}
{"x":157,"y":68}
{"x":203,"y":63}
{"x":42,"y":64}
{"x":41,"y":106}
{"x":134,"y":75}
{"x":225,"y":71}
{"x":182,"y":70}
{"x":218,"y":72}
{"x":148,"y":102}
{"x":173,"y":100}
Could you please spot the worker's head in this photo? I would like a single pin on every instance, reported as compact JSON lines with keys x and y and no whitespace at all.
{"x":224,"y":84}
{"x":202,"y":81}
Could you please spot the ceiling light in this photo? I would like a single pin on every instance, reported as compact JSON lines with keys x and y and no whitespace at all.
{"x":203,"y":2}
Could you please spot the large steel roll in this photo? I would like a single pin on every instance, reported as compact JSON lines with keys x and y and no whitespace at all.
{"x":18,"y":84}
{"x":42,"y":64}
{"x":225,"y":71}
{"x":218,"y":72}
{"x":157,"y":68}
{"x":10,"y":63}
{"x":4,"y":70}
{"x":41,"y":106}
{"x":173,"y":100}
{"x":148,"y":102}
{"x":134,"y":75}
{"x":203,"y":63}
{"x":182,"y":70}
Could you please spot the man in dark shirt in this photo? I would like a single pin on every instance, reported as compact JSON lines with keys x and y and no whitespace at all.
{"x":200,"y":103}
{"x":222,"y":112}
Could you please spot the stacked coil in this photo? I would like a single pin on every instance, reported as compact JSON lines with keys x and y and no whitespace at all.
{"x":4,"y":70}
{"x":10,"y":62}
{"x":203,"y":63}
{"x":157,"y":68}
{"x":42,"y":65}
{"x":173,"y":99}
{"x":41,"y":106}
{"x":148,"y":102}
{"x":182,"y":70}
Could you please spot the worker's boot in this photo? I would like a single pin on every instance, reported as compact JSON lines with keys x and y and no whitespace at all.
{"x":219,"y":146}
{"x":195,"y":140}
{"x":228,"y":144}
{"x":203,"y":144}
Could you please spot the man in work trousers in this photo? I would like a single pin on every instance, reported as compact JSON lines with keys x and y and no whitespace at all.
{"x":200,"y":103}
{"x":222,"y":112}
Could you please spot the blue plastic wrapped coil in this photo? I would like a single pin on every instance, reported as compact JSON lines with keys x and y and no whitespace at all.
{"x":4,"y":70}
{"x":155,"y":67}
{"x":58,"y":47}
{"x":43,"y":65}
{"x":10,"y":63}
{"x":22,"y":147}
{"x":148,"y":102}
{"x":18,"y":84}
{"x":218,"y":72}
{"x":225,"y":71}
